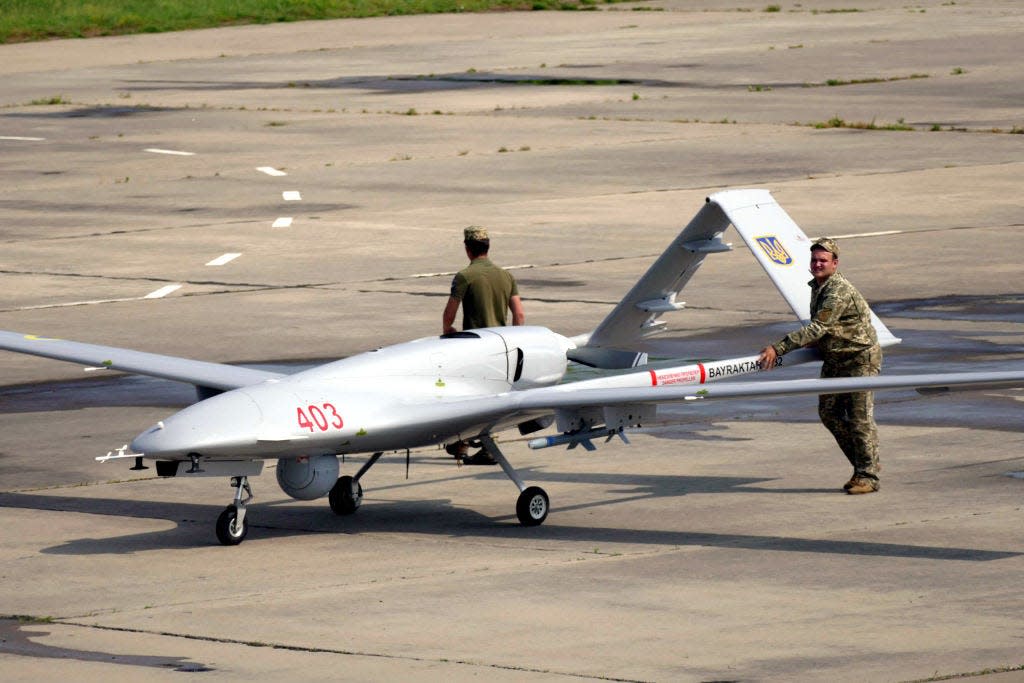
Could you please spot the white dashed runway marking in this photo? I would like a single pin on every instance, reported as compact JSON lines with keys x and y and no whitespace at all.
{"x":162,"y":292}
{"x":270,"y":170}
{"x":224,"y":258}
{"x":156,"y":150}
{"x":292,"y":196}
{"x":19,"y":137}
{"x":282,"y":222}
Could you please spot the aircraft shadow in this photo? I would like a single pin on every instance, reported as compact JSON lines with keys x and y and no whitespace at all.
{"x":631,"y":485}
{"x":194,"y":526}
{"x":23,"y":638}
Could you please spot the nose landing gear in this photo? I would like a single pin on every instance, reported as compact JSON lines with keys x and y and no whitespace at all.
{"x":232,"y":526}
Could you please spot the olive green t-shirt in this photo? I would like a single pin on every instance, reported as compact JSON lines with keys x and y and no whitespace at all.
{"x":484,"y":290}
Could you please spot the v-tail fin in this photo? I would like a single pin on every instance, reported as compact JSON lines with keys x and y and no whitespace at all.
{"x":781,"y":247}
{"x":775,"y":240}
{"x":638,"y":315}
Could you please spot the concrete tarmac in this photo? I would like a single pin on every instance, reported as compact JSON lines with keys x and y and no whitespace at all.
{"x":292,"y":193}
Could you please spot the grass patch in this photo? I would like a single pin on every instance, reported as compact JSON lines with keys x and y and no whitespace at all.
{"x":56,"y":99}
{"x":836,"y":122}
{"x":30,"y":20}
{"x":833,"y":82}
{"x":27,"y":619}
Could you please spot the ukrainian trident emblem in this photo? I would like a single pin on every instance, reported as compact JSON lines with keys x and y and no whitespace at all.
{"x":771,"y":246}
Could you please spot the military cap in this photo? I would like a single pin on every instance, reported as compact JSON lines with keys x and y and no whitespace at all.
{"x":475,"y":232}
{"x":828,"y":244}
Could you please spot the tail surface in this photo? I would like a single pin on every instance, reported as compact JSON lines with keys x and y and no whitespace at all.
{"x":781,"y":247}
{"x":775,"y":240}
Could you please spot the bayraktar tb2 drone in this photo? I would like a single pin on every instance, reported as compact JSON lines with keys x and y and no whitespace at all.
{"x":473,"y":384}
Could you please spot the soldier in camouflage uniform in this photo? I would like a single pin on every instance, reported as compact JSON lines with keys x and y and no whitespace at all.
{"x":841,"y":329}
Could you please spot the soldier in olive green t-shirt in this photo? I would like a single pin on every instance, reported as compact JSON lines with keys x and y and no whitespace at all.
{"x":485,"y":291}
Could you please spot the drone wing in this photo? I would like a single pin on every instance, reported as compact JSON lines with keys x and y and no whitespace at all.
{"x":575,"y":396}
{"x":216,"y":376}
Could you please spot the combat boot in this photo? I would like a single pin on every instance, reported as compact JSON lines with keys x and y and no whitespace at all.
{"x":861,"y":485}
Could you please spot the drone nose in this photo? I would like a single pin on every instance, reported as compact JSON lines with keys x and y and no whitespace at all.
{"x":222,"y":426}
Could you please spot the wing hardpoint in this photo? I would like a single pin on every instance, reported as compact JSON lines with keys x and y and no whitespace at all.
{"x":778,"y":244}
{"x":199,"y":373}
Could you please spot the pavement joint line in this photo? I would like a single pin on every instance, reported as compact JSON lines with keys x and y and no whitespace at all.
{"x":69,"y":304}
{"x":135,"y":231}
{"x":335,"y":651}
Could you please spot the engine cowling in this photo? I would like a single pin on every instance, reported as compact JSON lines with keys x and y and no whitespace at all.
{"x":307,"y":478}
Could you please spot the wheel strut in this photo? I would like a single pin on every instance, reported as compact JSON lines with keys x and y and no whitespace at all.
{"x":240,"y":483}
{"x":532,"y":505}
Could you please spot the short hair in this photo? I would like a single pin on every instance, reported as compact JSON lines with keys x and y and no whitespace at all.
{"x":478,"y":247}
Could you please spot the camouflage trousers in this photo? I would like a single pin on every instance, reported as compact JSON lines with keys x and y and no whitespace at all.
{"x":851,"y":417}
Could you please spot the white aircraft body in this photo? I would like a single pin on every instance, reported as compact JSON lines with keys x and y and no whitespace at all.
{"x":472,"y":384}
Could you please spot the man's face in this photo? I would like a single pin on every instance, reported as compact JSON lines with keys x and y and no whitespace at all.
{"x":823,"y":264}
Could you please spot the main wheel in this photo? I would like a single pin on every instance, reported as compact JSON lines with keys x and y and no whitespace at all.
{"x":532,"y":506}
{"x":346,"y":496}
{"x":229,"y":531}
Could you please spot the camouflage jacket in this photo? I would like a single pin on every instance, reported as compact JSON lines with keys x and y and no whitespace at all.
{"x":840,"y":322}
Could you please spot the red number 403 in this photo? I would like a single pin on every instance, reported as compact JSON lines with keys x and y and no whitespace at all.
{"x":320,"y":419}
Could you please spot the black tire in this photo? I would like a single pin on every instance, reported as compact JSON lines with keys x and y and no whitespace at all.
{"x":346,"y":496}
{"x":532,"y":506}
{"x":229,"y":531}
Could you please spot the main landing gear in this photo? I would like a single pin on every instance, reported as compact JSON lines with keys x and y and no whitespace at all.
{"x":533,"y":504}
{"x":531,"y":508}
{"x":347,"y":493}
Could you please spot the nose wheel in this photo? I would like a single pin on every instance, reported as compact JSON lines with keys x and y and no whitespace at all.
{"x":232,"y":525}
{"x":231,"y":529}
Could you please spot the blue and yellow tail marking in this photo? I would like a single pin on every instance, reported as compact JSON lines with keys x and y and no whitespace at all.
{"x":772,"y":246}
